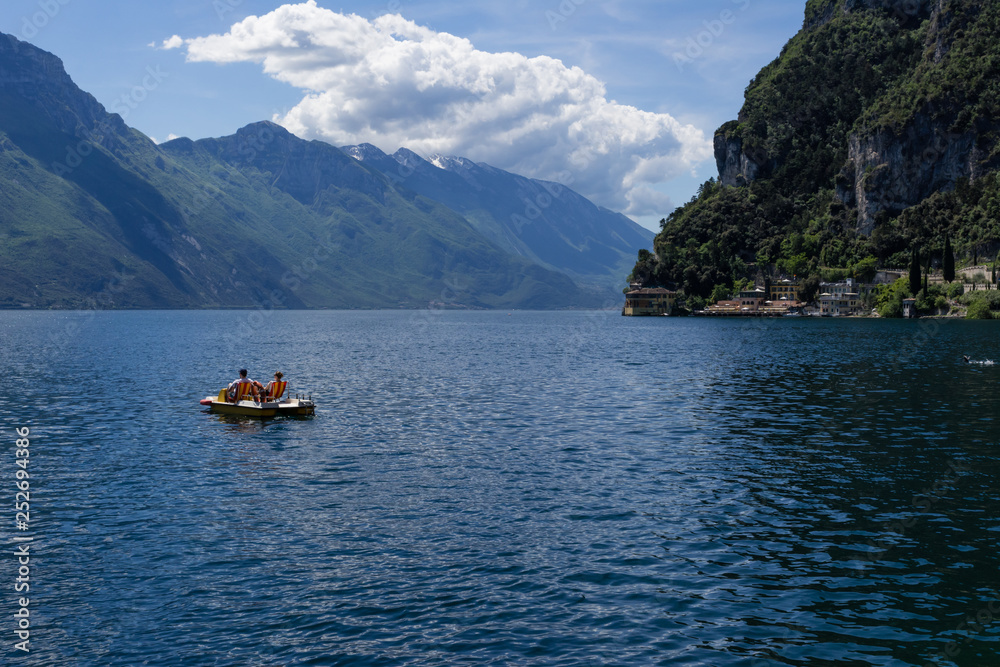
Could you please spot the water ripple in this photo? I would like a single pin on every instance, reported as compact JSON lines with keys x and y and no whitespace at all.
{"x":539,"y":488}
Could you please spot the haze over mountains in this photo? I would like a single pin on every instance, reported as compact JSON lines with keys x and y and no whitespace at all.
{"x":544,"y":221}
{"x":93,"y":213}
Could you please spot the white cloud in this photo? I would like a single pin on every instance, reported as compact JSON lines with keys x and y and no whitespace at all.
{"x":395,"y":84}
{"x":170,"y":137}
{"x":644,"y":201}
{"x":174,"y":42}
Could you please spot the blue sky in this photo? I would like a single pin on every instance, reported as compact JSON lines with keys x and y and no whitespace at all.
{"x":618,"y":99}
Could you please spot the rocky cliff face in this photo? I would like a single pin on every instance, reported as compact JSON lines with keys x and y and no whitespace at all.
{"x":889,"y":172}
{"x":875,"y":131}
{"x":735,"y":166}
{"x":889,"y":166}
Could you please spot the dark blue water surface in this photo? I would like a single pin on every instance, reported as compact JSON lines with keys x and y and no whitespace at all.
{"x":493,"y":488}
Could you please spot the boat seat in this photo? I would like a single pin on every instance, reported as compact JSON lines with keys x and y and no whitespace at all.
{"x":274,"y":390}
{"x":244,"y":392}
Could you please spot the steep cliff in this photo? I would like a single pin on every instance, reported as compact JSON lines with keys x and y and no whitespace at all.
{"x":938,"y":126}
{"x":874,"y":110}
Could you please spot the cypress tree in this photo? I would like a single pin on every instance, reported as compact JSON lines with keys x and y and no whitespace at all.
{"x":948,"y":261}
{"x":915,"y":271}
{"x":927,"y":271}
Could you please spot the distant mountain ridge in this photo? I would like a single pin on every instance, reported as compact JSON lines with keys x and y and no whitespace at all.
{"x":544,"y":221}
{"x":94,"y":214}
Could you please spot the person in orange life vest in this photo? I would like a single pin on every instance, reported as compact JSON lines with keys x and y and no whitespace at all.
{"x":255,"y":386}
{"x":276,"y":387}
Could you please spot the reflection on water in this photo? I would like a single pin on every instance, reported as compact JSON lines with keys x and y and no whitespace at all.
{"x":534,"y":488}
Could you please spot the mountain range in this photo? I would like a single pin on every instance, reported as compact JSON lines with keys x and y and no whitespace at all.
{"x":95,"y":214}
{"x":543,"y":221}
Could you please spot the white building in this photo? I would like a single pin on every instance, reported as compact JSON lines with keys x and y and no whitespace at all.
{"x":839,"y":304}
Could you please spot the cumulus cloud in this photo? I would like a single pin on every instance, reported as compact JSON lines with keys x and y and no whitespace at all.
{"x":394,"y":83}
{"x":174,"y":42}
{"x":170,"y":137}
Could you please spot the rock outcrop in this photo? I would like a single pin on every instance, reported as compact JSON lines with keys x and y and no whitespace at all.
{"x":876,"y":130}
{"x":735,"y":166}
{"x":889,"y":172}
{"x":891,"y":167}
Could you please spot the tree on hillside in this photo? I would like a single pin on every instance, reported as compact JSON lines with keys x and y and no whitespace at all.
{"x":719,"y":293}
{"x":914,"y":271}
{"x":864,"y":271}
{"x":948,"y":261}
{"x":927,"y":270}
{"x":645,"y":268}
{"x":810,"y":288}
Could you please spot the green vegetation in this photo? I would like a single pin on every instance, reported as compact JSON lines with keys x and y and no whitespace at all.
{"x":958,"y":84}
{"x":889,"y":298}
{"x":979,"y":310}
{"x":982,"y":304}
{"x":948,"y":266}
{"x":927,"y":78}
{"x":800,"y":109}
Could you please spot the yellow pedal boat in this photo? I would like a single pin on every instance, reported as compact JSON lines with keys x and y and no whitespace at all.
{"x":299,"y":406}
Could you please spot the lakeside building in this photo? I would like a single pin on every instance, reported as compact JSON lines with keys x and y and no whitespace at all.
{"x":910,"y":308}
{"x":787,"y":290}
{"x":649,"y":301}
{"x":753,"y":299}
{"x":767,"y":309}
{"x":728,"y":307}
{"x":750,"y":304}
{"x":782,"y":308}
{"x":840,"y":304}
{"x":837,"y":299}
{"x":842,"y":299}
{"x":888,"y":276}
{"x":849,"y":286}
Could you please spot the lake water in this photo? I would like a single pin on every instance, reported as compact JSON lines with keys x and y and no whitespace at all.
{"x":505,"y":488}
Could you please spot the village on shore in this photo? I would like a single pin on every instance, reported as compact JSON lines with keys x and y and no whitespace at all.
{"x":786,"y":297}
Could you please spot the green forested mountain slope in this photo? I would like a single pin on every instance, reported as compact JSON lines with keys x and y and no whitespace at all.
{"x":875,"y":130}
{"x":93,"y":213}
